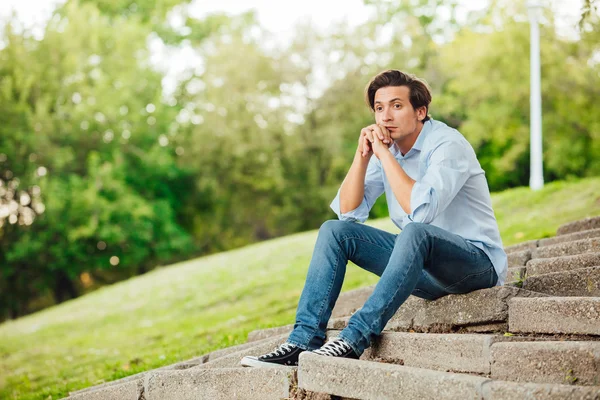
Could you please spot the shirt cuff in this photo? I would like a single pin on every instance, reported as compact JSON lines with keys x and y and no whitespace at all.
{"x":361,"y":213}
{"x":420,"y":196}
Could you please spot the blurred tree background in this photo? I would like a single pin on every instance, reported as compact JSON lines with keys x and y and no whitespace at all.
{"x":106,"y":174}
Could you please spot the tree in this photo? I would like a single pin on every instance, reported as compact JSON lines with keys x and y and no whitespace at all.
{"x":486,"y":95}
{"x":84,"y":106}
{"x":587,"y":10}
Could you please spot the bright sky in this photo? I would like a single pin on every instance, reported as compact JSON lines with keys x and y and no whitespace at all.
{"x":270,"y":13}
{"x":278,"y":17}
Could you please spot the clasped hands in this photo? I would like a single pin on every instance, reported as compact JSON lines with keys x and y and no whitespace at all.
{"x":374,"y":139}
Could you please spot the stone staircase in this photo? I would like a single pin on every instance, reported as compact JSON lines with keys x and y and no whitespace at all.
{"x":537,"y":337}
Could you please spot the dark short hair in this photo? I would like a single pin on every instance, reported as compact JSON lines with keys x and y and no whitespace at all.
{"x":419,"y":93}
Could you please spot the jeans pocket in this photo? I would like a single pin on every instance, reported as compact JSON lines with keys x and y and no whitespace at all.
{"x":472,"y":282}
{"x":425,"y":295}
{"x":493,"y":277}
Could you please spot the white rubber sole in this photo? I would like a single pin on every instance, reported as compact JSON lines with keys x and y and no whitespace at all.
{"x":251,"y":361}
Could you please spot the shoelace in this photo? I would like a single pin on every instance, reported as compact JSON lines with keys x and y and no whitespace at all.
{"x":335,"y":347}
{"x":281,"y":350}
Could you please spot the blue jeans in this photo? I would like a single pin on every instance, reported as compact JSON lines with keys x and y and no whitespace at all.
{"x":423,"y":260}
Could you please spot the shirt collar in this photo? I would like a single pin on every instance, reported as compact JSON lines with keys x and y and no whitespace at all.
{"x":395,"y":150}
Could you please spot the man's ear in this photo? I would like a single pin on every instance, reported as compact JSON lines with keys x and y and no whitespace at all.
{"x":421,"y":113}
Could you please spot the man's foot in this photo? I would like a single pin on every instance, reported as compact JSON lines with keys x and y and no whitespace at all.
{"x":285,"y":355}
{"x":337,"y":347}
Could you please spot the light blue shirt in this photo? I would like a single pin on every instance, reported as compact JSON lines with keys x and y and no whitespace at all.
{"x":450,"y":192}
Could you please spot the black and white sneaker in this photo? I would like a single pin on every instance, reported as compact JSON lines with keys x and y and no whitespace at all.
{"x":285,"y":355}
{"x":337,"y":347}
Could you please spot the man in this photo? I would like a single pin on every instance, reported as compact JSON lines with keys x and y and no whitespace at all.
{"x":437,"y":195}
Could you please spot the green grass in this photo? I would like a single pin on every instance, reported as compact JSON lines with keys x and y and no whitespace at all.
{"x":188,"y":309}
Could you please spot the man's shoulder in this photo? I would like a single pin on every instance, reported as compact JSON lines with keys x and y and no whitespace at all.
{"x":440,"y":133}
{"x":446,"y":142}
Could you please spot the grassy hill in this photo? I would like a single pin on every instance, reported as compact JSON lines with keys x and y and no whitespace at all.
{"x":187,"y":309}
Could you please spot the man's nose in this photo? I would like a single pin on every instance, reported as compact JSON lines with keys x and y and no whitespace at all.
{"x":387,"y":115}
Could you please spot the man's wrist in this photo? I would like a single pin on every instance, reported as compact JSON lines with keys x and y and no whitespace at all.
{"x":360,"y":156}
{"x":386,"y":156}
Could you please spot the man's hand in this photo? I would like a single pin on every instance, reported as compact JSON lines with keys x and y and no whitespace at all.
{"x":364,"y":145}
{"x":378,"y":146}
{"x":367,"y":137}
{"x":378,"y":139}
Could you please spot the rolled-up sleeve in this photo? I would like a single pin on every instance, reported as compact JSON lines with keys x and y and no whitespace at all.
{"x":373,"y":189}
{"x":447,"y":172}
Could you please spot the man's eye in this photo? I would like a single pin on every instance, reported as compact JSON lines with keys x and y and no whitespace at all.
{"x":397,"y":105}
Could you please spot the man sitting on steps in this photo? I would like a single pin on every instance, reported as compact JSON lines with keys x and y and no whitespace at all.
{"x":437,"y":195}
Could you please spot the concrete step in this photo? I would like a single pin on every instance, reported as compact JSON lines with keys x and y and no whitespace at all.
{"x":581,"y":225}
{"x":193,"y":362}
{"x":352,"y":300}
{"x":297,"y":393}
{"x":515,"y":248}
{"x":512,"y":358}
{"x":219,"y":384}
{"x":503,"y":390}
{"x":567,"y":249}
{"x":129,"y":390}
{"x":497,"y":327}
{"x":483,"y":310}
{"x":570,"y":237}
{"x":129,"y":382}
{"x":560,"y":362}
{"x":446,"y":314}
{"x":232,"y":360}
{"x":519,"y":258}
{"x":486,"y":308}
{"x":571,"y":315}
{"x":346,"y":304}
{"x":582,"y":282}
{"x":442,"y":352}
{"x":506,"y":358}
{"x":359,"y":379}
{"x":515,"y":274}
{"x":541,"y":266}
{"x":446,"y":352}
{"x":261,"y":334}
{"x":371,"y":380}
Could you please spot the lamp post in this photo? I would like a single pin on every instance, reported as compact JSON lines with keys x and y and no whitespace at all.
{"x":536,"y":178}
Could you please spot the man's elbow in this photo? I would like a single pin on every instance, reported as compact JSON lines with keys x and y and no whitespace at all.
{"x":347,"y":207}
{"x":406,"y":208}
{"x":424,"y":214}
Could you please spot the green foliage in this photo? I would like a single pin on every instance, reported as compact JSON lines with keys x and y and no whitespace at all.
{"x":486,"y":96}
{"x":589,"y":6}
{"x":84,"y":118}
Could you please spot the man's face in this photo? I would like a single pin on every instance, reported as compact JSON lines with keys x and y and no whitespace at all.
{"x":394,"y":111}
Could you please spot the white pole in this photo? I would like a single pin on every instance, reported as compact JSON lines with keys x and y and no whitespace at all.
{"x":536,"y":179}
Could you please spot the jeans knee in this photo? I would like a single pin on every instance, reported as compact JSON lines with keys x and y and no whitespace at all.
{"x":332,"y":227}
{"x":415,"y":229}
